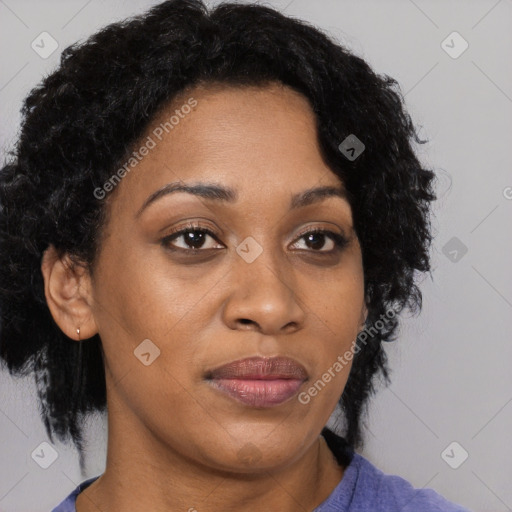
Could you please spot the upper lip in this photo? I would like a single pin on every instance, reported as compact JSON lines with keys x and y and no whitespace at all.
{"x":264,"y":368}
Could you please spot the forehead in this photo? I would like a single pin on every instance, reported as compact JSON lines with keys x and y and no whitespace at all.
{"x":254,"y":139}
{"x":233,"y":123}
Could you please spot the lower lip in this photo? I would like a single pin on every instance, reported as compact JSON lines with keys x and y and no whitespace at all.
{"x":258,"y":393}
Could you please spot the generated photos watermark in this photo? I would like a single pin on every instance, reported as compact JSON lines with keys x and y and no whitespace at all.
{"x":344,"y":360}
{"x":150,"y":143}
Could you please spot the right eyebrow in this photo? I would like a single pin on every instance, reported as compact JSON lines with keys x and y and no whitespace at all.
{"x":205,"y":190}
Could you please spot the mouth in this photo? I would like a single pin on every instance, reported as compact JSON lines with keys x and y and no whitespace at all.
{"x":259,"y":382}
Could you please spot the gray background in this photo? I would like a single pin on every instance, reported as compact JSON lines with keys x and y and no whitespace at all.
{"x":451,"y":365}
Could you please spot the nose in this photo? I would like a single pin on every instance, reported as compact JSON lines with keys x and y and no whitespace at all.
{"x":263,"y":297}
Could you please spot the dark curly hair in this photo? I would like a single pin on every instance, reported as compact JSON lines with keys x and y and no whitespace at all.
{"x":83,"y":119}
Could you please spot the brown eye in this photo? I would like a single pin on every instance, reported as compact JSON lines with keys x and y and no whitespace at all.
{"x":190,"y":239}
{"x":315,"y":239}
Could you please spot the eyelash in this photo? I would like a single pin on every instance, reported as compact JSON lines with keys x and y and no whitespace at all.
{"x":340,"y":241}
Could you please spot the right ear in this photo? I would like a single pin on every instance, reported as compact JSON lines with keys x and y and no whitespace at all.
{"x":68,"y":292}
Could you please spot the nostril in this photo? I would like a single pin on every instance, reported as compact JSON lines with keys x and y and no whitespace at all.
{"x":246,"y":322}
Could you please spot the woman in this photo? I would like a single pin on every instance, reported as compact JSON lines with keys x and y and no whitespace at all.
{"x":209,"y":227}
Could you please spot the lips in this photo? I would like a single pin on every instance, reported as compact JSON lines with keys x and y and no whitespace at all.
{"x":258,"y":381}
{"x":260,"y":368}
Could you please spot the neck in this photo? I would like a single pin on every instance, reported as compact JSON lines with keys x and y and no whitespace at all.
{"x":142,"y":469}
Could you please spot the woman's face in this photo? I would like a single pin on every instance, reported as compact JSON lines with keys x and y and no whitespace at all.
{"x":259,"y":286}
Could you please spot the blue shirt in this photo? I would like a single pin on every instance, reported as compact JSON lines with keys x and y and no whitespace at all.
{"x":363,"y":488}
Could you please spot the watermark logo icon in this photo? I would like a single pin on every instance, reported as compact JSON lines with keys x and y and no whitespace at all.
{"x":454,"y":455}
{"x":44,"y":455}
{"x":249,"y":249}
{"x":146,"y":352}
{"x":454,"y":45}
{"x":249,"y":453}
{"x":454,"y":250}
{"x":351,"y":147}
{"x":44,"y":45}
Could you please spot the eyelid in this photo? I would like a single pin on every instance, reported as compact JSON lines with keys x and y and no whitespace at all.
{"x":339,"y":239}
{"x":192,"y":226}
{"x":317,"y":229}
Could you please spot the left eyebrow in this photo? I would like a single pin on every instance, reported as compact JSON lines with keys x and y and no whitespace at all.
{"x":314,"y":195}
{"x":217,"y":192}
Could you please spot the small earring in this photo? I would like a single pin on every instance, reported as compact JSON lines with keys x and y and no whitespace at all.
{"x":78,"y":333}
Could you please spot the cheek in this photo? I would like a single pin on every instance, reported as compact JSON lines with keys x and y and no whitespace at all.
{"x":337,"y":326}
{"x":339,"y":303}
{"x":146,"y":296}
{"x":158,"y":396}
{"x":338,"y":309}
{"x":150,"y":328}
{"x":146,"y":331}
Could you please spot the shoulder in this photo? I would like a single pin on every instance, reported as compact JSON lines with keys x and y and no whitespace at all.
{"x":378,"y":491}
{"x":68,"y":504}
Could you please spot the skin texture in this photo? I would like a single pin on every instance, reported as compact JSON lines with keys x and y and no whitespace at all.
{"x":173,"y":440}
